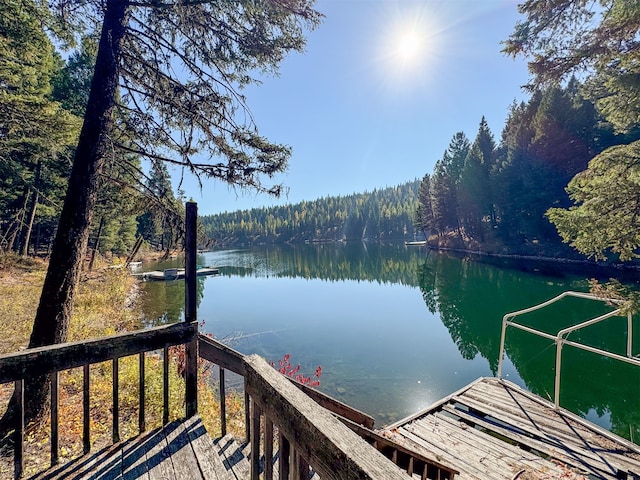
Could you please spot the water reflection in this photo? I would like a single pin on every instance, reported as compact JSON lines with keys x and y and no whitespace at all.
{"x":397,"y":327}
{"x":163,"y":302}
{"x":378,"y":263}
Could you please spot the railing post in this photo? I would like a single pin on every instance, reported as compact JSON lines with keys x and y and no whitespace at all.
{"x":503,"y":336}
{"x":223,"y":405}
{"x":116,"y":401}
{"x":268,"y":448}
{"x":556,"y":393}
{"x":18,"y":459}
{"x":165,"y":386}
{"x":141,"y":412}
{"x":284,"y":451}
{"x":303,"y":467}
{"x":247,"y":413}
{"x":54,"y":418}
{"x":191,"y":348}
{"x":255,"y":440}
{"x":629,"y":335}
{"x":86,"y":411}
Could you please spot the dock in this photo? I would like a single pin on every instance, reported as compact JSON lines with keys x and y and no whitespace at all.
{"x":170,"y":274}
{"x":494,"y":429}
{"x":490,"y":429}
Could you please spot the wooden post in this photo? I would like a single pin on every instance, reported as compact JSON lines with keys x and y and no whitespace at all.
{"x":223,"y":405}
{"x":86,"y":411}
{"x":284,"y":448}
{"x":165,"y":386}
{"x":247,"y":413}
{"x":141,"y":417}
{"x":190,"y":315}
{"x":54,"y":418}
{"x":255,"y":440}
{"x":116,"y":401}
{"x":268,"y":449}
{"x":303,"y":467}
{"x":18,"y":460}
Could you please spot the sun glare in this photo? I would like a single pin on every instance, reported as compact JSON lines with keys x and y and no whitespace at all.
{"x":409,"y":47}
{"x":409,"y":42}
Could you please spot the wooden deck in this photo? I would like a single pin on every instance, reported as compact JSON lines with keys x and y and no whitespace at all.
{"x":180,"y":450}
{"x":490,"y":429}
{"x":493,"y":429}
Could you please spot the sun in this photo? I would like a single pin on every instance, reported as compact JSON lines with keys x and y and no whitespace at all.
{"x":409,"y":44}
{"x":409,"y":47}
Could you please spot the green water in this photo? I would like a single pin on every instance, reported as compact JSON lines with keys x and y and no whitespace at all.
{"x":396,"y":328}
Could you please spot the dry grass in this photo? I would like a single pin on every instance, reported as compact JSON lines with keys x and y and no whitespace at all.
{"x":106,"y":303}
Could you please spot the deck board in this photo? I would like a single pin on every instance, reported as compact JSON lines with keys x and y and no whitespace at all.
{"x":494,"y":429}
{"x":180,"y":450}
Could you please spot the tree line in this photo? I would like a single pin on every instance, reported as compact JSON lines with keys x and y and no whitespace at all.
{"x":382,"y":214}
{"x":495,"y":195}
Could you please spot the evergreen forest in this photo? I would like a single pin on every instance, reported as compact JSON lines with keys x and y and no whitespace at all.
{"x":43,"y":102}
{"x":385,"y":214}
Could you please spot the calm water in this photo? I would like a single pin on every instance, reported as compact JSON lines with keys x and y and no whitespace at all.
{"x":396,"y":328}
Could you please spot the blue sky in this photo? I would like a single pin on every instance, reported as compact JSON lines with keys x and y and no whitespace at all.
{"x":380,"y":91}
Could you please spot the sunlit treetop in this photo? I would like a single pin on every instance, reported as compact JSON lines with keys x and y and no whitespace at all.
{"x":596,"y":40}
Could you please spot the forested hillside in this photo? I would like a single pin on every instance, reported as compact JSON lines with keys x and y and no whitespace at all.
{"x":380,"y":215}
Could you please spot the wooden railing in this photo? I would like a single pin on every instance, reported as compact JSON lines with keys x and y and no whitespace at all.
{"x":335,"y":440}
{"x":308,"y":436}
{"x":51,"y":360}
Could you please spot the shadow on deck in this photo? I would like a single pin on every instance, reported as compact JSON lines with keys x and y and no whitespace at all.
{"x":181,"y":449}
{"x":494,"y":429}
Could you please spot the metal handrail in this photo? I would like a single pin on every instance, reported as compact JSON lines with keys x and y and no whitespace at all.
{"x":560,"y":340}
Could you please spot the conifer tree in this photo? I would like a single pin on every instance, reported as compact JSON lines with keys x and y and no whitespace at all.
{"x":35,"y":133}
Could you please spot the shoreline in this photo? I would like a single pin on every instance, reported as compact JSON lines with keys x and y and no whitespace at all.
{"x":542,"y":259}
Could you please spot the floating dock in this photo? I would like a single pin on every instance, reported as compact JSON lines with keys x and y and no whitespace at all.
{"x":174,"y":274}
{"x":494,"y":429}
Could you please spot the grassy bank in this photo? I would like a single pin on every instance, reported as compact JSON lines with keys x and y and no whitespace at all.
{"x":106,"y":303}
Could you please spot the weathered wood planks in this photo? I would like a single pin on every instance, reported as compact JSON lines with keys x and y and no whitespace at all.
{"x":180,"y":450}
{"x":331,"y":448}
{"x":494,"y":429}
{"x":55,"y":358}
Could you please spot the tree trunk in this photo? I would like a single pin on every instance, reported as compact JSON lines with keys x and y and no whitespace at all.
{"x":32,"y":210}
{"x":52,"y":318}
{"x":97,"y":244}
{"x":17,"y":225}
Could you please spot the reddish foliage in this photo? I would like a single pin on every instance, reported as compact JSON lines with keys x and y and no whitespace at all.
{"x":284,"y":367}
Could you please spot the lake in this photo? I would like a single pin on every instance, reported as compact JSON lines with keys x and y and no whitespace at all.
{"x":395,"y":328}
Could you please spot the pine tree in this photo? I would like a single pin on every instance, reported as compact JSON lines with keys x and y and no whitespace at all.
{"x":424,"y":212}
{"x":476,"y":198}
{"x":599,"y":41}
